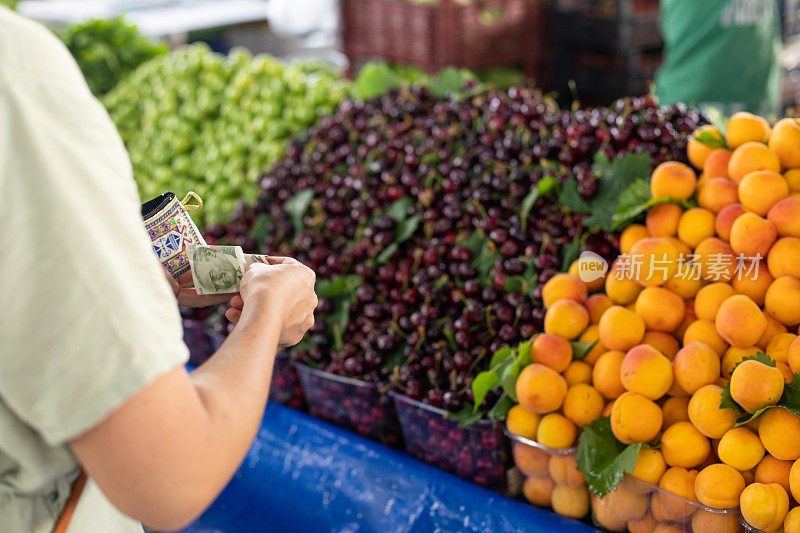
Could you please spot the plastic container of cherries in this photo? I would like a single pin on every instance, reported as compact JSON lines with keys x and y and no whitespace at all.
{"x":285,"y":386}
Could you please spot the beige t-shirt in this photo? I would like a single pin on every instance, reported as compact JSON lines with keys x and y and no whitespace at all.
{"x":86,"y":316}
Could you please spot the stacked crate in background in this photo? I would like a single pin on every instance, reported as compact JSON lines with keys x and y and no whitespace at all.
{"x":608,"y":48}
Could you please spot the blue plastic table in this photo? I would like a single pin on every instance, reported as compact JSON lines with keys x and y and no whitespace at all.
{"x":305,"y":475}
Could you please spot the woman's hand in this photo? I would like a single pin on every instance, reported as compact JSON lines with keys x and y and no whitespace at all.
{"x":188,"y":297}
{"x":284,"y":287}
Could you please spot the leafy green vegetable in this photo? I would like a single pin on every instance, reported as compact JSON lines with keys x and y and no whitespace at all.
{"x":107,"y":49}
{"x":602,"y":458}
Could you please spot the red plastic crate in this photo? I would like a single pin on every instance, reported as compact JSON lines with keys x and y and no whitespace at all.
{"x":474,"y":35}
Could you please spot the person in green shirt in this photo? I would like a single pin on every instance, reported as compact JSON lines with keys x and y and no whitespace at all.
{"x":721,"y":54}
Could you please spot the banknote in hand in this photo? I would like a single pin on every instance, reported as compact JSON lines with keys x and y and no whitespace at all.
{"x":216,"y":269}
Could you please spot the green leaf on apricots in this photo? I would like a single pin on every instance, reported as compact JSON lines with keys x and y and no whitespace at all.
{"x":728,"y":402}
{"x":717,"y":119}
{"x":503,"y":353}
{"x":543,"y":188}
{"x":761,"y":357}
{"x":525,"y":353}
{"x":581,"y":349}
{"x":398,"y":211}
{"x":708,"y":138}
{"x":466,"y":416}
{"x":571,"y":252}
{"x":501,"y":407}
{"x":602,"y":458}
{"x":296,"y":207}
{"x":791,"y":395}
{"x":614,"y":177}
{"x":482,"y":384}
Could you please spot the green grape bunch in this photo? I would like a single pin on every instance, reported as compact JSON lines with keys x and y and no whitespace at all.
{"x":196,"y":120}
{"x":107,"y":49}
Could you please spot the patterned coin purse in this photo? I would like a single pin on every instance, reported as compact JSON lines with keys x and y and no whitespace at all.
{"x":171,"y":229}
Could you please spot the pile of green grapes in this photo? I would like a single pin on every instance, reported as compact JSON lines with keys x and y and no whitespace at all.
{"x":196,"y":120}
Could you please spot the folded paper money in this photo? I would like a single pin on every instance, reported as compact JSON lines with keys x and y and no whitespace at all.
{"x":219,"y":269}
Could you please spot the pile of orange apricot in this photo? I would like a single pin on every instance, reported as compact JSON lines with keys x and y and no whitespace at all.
{"x":713,"y":285}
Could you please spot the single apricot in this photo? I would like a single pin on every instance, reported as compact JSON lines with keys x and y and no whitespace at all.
{"x":696,"y":365}
{"x":779,"y":431}
{"x":706,"y":332}
{"x":762,"y":189}
{"x":552,"y":350}
{"x":746,"y":127}
{"x":755,"y":385}
{"x":764,"y":506}
{"x":590,"y":335}
{"x":740,"y":448}
{"x":675,"y":409}
{"x":605,"y":516}
{"x":703,"y":521}
{"x":583,"y":404}
{"x":606,"y":374}
{"x":709,"y":298}
{"x":556,"y":431}
{"x":538,"y":490}
{"x":771,"y":470}
{"x":753,"y":280}
{"x":791,"y":524}
{"x":782,"y":258}
{"x":597,"y":304}
{"x":716,"y":260}
{"x":591,"y":286}
{"x":785,"y":216}
{"x":563,"y":286}
{"x":716,"y":165}
{"x":725,"y":219}
{"x":785,"y":142}
{"x":522,"y":422}
{"x":660,"y":309}
{"x":695,"y":225}
{"x":792,"y":177}
{"x":654,"y":260}
{"x":540,"y":388}
{"x":620,"y":285}
{"x":696,"y":151}
{"x":650,"y":465}
{"x":620,"y":329}
{"x":564,"y":471}
{"x":794,"y":481}
{"x":663,"y":342}
{"x":686,"y":282}
{"x":773,"y":328}
{"x":733,"y":356}
{"x":566,"y":318}
{"x":578,"y":372}
{"x":634,"y":418}
{"x":628,"y":504}
{"x":782,"y":299}
{"x":740,"y":322}
{"x":531,"y":461}
{"x":788,"y":376}
{"x":750,"y":157}
{"x":645,"y":524}
{"x":718,"y":193}
{"x":662,"y":220}
{"x":778,"y":347}
{"x":572,"y":502}
{"x":683,"y":445}
{"x":646,"y":371}
{"x":631,"y":235}
{"x":793,"y":355}
{"x":679,"y":482}
{"x":719,"y":486}
{"x":673,"y":179}
{"x":706,"y":415}
{"x":752,"y":235}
